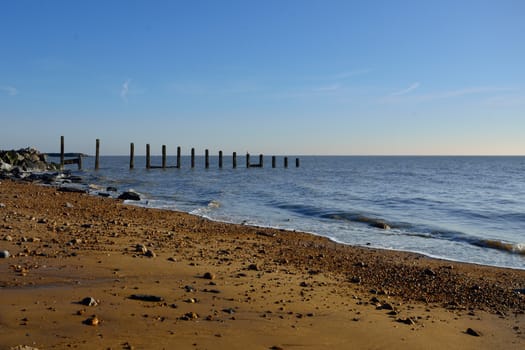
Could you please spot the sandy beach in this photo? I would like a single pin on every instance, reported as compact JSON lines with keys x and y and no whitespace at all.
{"x":88,"y":272}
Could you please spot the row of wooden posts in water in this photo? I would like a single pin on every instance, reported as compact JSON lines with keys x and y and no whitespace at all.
{"x":164,"y":165}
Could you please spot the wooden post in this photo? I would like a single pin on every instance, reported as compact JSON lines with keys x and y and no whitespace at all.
{"x":163,"y":156}
{"x":193,"y":158}
{"x":79,"y":162}
{"x":297,"y":162}
{"x":97,"y":154}
{"x":62,"y":152}
{"x":247,"y":160}
{"x":286,"y":162}
{"x":178,"y":157}
{"x":261,"y":160}
{"x":273,"y":161}
{"x":234,"y":160}
{"x":220,"y":159}
{"x":148,"y":156}
{"x":206,"y":159}
{"x":131,"y":155}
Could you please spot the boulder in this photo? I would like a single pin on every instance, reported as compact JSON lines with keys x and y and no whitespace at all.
{"x":130,"y":195}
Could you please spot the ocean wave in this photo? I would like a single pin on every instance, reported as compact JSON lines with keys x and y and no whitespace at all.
{"x":514,"y":248}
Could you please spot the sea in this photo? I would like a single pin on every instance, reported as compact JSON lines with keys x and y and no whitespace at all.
{"x":469,"y":209}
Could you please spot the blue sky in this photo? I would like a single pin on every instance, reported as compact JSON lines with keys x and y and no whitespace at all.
{"x":273,"y":77}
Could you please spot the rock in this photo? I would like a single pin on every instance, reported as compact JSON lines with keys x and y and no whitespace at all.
{"x":150,"y":254}
{"x":141,"y":248}
{"x":407,"y":321}
{"x":111,"y":189}
{"x":2,"y":205}
{"x":71,"y":189}
{"x":429,"y":272}
{"x":4,"y":254}
{"x":8,"y":238}
{"x":68,"y":205}
{"x":92,"y":321}
{"x":381,"y":225}
{"x":473,"y":332}
{"x":229,"y":310}
{"x":253,"y":267}
{"x":209,"y":276}
{"x":355,"y":279}
{"x":189,"y":316}
{"x":89,"y":301}
{"x":130,"y":195}
{"x":146,"y":297}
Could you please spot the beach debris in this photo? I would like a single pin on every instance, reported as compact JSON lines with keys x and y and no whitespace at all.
{"x":4,"y":254}
{"x":92,"y":321}
{"x":130,"y":195}
{"x":146,"y":297}
{"x":89,"y":301}
{"x":473,"y":332}
{"x":209,"y":276}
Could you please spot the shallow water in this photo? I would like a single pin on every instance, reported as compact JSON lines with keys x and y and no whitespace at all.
{"x":459,"y":208}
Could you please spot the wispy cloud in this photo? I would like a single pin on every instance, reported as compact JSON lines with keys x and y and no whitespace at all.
{"x":409,"y":89}
{"x":124,"y":90}
{"x":9,"y":90}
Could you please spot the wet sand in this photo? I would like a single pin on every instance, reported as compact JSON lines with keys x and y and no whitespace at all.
{"x":163,"y":279}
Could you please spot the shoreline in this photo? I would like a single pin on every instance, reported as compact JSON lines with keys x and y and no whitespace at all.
{"x":283,"y":287}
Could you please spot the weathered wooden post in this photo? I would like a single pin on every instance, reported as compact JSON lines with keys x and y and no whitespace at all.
{"x":62,"y":152}
{"x":148,"y":156}
{"x":97,"y":154}
{"x":131,"y":155}
{"x":178,"y":157}
{"x":206,"y":158}
{"x":247,"y":160}
{"x":234,"y":160}
{"x":297,"y":162}
{"x":273,"y":161}
{"x":220,"y":159}
{"x":79,"y":161}
{"x":286,"y":162}
{"x":163,"y":156}
{"x":261,"y":160}
{"x":193,"y":158}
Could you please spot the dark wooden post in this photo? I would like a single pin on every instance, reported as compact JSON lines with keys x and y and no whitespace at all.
{"x":261,"y":160}
{"x":273,"y":161}
{"x":148,"y":156}
{"x":131,"y":155}
{"x":79,"y":162}
{"x":193,"y":158}
{"x":206,"y":159}
{"x":178,"y":157}
{"x":234,"y":160}
{"x":297,"y":162}
{"x":97,"y":154}
{"x":286,"y":162}
{"x":62,"y":152}
{"x":220,"y":159}
{"x":163,"y":156}
{"x":247,"y":160}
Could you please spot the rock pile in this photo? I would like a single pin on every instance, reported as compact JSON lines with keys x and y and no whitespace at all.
{"x":24,"y":160}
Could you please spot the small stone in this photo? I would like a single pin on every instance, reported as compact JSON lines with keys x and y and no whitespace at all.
{"x":4,"y":254}
{"x":209,"y":276}
{"x":355,"y":279}
{"x":141,"y":248}
{"x":189,"y":316}
{"x":473,"y":332}
{"x":68,"y":205}
{"x":429,"y":272}
{"x":8,"y":238}
{"x":2,"y":205}
{"x":146,"y":297}
{"x":253,"y":267}
{"x":407,"y":321}
{"x":92,"y":321}
{"x":150,"y":254}
{"x":229,"y":310}
{"x":89,"y":301}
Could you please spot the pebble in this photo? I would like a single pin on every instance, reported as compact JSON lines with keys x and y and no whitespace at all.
{"x":209,"y":276}
{"x":92,"y":321}
{"x":4,"y":254}
{"x":473,"y":332}
{"x":150,"y":253}
{"x":146,"y":297}
{"x":2,"y":205}
{"x":89,"y":301}
{"x":141,"y":248}
{"x":8,"y":238}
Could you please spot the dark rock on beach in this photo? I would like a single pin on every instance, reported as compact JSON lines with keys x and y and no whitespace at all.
{"x":130,"y":195}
